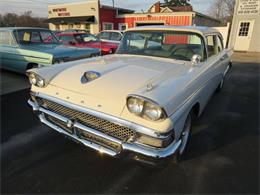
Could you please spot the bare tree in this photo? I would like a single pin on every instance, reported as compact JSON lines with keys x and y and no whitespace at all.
{"x":222,"y":10}
{"x":24,"y":20}
{"x":176,"y":2}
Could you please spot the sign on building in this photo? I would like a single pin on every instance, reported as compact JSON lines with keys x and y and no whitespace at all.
{"x":248,"y":7}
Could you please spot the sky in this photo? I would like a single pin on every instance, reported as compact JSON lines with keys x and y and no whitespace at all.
{"x":39,"y":7}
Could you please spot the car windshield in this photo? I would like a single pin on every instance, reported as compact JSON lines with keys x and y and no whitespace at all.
{"x":83,"y":38}
{"x":35,"y":36}
{"x":167,"y":44}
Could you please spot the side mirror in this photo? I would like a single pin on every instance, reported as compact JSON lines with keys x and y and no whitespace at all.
{"x":195,"y":60}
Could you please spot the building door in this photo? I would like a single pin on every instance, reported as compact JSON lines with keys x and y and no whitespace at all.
{"x":244,"y":34}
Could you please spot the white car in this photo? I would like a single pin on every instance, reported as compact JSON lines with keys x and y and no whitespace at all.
{"x":113,"y":36}
{"x":140,"y":101}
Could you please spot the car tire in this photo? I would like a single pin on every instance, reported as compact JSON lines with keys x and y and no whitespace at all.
{"x":220,"y":86}
{"x":185,"y":136}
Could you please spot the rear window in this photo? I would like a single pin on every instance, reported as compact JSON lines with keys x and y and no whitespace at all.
{"x":6,"y":38}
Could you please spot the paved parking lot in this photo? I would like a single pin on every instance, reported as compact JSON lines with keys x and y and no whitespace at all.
{"x":223,"y":155}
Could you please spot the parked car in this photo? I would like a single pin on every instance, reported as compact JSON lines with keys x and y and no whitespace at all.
{"x":113,"y":36}
{"x":55,"y":32}
{"x":76,"y":31}
{"x":25,"y":48}
{"x":140,"y":101}
{"x":87,"y":40}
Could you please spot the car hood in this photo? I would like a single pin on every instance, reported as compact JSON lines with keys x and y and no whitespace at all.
{"x":58,"y":50}
{"x":120,"y":76}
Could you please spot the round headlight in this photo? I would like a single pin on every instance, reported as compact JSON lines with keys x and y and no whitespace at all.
{"x":32,"y":79}
{"x":40,"y":82}
{"x":36,"y":80}
{"x":135,"y":105}
{"x":153,"y":112}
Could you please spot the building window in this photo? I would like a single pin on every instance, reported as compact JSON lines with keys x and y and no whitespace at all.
{"x":244,"y":28}
{"x":108,"y":26}
{"x":70,"y":26}
{"x":57,"y":27}
{"x":122,"y":26}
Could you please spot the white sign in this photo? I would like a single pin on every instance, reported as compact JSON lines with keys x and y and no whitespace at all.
{"x":248,"y":7}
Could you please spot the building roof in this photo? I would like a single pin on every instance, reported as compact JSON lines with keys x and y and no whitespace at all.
{"x":119,"y":9}
{"x":21,"y":28}
{"x":203,"y":30}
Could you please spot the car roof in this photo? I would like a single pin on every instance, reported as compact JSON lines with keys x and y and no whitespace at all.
{"x":111,"y":31}
{"x":203,"y":30}
{"x":74,"y":33}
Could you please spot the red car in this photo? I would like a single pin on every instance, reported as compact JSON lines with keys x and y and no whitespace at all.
{"x":87,"y":40}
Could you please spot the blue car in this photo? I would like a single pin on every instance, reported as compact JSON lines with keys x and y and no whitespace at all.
{"x":25,"y":48}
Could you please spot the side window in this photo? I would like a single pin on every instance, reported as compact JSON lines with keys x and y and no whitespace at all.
{"x":35,"y":37}
{"x":6,"y":38}
{"x":105,"y":35}
{"x":212,"y":45}
{"x":66,"y":39}
{"x":219,"y":44}
{"x":116,"y":36}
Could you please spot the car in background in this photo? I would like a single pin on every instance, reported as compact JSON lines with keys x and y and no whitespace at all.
{"x":24,"y":48}
{"x":113,"y":36}
{"x":55,"y":32}
{"x":87,"y":40}
{"x":76,"y":31}
{"x":141,"y":101}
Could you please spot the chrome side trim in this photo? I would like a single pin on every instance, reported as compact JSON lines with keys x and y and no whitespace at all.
{"x":134,"y":147}
{"x":122,"y":122}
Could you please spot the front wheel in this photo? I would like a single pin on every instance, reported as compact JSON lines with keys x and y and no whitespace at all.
{"x":185,"y":134}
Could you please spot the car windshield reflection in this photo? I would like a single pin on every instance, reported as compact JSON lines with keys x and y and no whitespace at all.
{"x":166,"y":44}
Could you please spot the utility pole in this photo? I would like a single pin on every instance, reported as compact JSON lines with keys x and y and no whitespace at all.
{"x":113,"y":2}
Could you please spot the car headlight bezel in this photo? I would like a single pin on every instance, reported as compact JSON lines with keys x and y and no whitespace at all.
{"x":36,"y":80}
{"x":148,"y":109}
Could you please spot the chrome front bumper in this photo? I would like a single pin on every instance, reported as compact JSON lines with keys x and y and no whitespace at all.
{"x":125,"y":146}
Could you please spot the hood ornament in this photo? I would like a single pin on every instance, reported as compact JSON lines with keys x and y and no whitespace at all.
{"x":89,"y":76}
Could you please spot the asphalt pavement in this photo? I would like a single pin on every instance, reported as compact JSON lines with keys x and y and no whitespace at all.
{"x":223,"y":153}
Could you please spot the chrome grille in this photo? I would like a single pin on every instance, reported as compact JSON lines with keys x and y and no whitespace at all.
{"x":112,"y":129}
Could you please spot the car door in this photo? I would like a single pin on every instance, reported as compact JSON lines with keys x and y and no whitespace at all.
{"x":211,"y":71}
{"x":9,"y":51}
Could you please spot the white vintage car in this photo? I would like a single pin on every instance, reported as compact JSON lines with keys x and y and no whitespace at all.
{"x":140,"y":101}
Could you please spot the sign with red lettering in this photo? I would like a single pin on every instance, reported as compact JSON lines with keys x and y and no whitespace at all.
{"x":59,"y":10}
{"x":64,"y":14}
